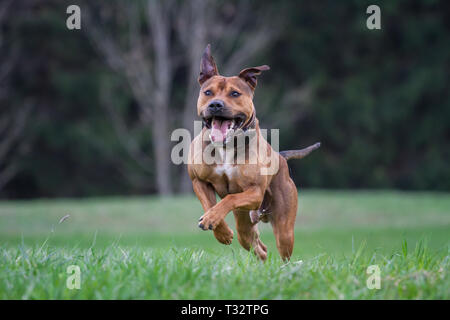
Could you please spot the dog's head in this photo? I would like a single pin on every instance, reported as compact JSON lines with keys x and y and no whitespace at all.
{"x":226,"y":103}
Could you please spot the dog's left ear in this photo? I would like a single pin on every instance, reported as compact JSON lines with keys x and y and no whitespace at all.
{"x":208,"y":67}
{"x":249,"y":75}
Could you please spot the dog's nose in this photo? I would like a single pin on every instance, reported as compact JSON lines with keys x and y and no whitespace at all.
{"x":216,"y":106}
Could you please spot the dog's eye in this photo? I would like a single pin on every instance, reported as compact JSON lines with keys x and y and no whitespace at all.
{"x":235,"y":94}
{"x":208,"y":93}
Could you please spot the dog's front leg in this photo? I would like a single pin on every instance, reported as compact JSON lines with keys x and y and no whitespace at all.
{"x":205,"y":193}
{"x":249,"y":199}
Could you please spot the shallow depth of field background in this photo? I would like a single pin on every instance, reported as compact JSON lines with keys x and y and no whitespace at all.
{"x":85,"y":123}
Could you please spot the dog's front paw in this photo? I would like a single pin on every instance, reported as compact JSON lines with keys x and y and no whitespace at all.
{"x":223,"y":234}
{"x":208,"y":221}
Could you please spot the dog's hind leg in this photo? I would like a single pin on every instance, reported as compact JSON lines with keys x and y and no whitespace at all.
{"x":284,"y":235}
{"x":248,"y":234}
{"x":283,"y":214}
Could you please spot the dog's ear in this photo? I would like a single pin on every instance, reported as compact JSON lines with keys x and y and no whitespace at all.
{"x":208,"y":67}
{"x":249,"y":75}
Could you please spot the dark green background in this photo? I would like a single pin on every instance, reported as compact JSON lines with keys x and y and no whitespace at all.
{"x":380,"y":105}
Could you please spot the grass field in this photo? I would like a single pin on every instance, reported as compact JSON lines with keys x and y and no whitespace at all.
{"x":151,"y":248}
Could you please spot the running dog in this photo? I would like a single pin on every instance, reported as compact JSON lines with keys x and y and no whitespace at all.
{"x":248,"y":188}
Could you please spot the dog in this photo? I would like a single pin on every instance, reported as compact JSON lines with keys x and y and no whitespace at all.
{"x":225,"y":104}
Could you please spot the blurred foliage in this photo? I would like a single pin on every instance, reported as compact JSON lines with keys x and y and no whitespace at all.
{"x":378,"y":100}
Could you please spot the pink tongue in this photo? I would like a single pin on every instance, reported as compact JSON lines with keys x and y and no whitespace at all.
{"x":219,"y":129}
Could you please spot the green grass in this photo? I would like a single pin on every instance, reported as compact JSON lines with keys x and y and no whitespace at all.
{"x":151,"y":248}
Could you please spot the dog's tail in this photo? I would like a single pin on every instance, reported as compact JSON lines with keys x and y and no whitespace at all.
{"x":298,"y":154}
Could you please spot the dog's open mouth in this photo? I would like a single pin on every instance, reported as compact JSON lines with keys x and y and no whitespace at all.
{"x":223,"y":127}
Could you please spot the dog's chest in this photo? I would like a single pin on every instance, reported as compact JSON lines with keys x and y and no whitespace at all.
{"x":225,"y":165}
{"x":227,"y":170}
{"x":225,"y":174}
{"x":224,"y":179}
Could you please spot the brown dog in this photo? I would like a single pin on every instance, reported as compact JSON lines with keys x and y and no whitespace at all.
{"x":248,"y":188}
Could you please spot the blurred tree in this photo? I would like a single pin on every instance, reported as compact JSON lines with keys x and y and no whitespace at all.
{"x":381,"y":102}
{"x":14,"y":140}
{"x":148,"y":41}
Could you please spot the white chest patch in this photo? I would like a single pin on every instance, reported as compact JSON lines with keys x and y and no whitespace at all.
{"x":226,"y":169}
{"x":224,"y":165}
